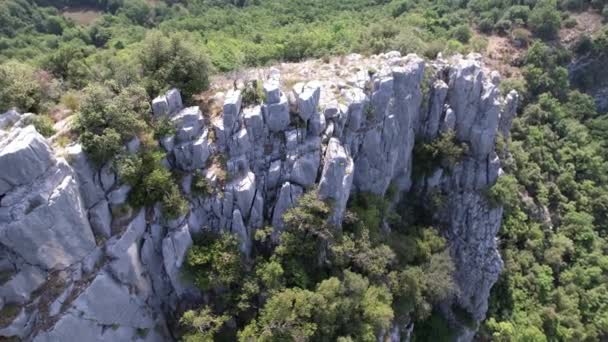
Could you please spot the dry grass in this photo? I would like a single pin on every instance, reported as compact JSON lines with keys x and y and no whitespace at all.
{"x":82,"y":15}
{"x":586,"y":23}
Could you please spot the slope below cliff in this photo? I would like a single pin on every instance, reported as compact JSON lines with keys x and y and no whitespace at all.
{"x":80,"y":262}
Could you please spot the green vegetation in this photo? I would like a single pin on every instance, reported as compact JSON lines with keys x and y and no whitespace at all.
{"x":554,"y":229}
{"x":444,"y":151}
{"x":317,"y":282}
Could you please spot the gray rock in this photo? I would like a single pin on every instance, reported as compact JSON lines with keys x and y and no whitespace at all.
{"x":277,"y":115}
{"x":124,"y":251}
{"x":21,"y":286}
{"x":336,"y":178}
{"x":244,"y":190}
{"x":101,"y":219}
{"x":272,"y":91}
{"x":240,"y":143}
{"x":91,"y":192}
{"x":316,"y":124}
{"x":188,"y":123}
{"x":305,"y":169}
{"x":168,"y":143}
{"x":254,"y":122}
{"x":174,"y":248}
{"x":240,"y":230}
{"x":55,"y":307}
{"x":20,"y":327}
{"x":274,"y":175}
{"x":107,"y":177}
{"x":232,"y":109}
{"x":433,"y":121}
{"x":193,"y":155}
{"x":288,"y":197}
{"x":53,"y":230}
{"x":160,"y":106}
{"x":174,"y":100}
{"x":308,"y":100}
{"x":24,"y":155}
{"x":133,"y":145}
{"x":119,"y":196}
{"x":9,"y":118}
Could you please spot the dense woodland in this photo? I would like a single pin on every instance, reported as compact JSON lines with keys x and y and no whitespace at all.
{"x":314,"y":283}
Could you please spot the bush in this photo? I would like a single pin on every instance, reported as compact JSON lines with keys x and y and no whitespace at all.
{"x":570,"y":23}
{"x":545,"y":20}
{"x":505,"y":192}
{"x":444,"y":151}
{"x":175,"y":60}
{"x":19,"y":87}
{"x":44,"y":125}
{"x":108,"y":119}
{"x":462,"y":33}
{"x":200,"y":186}
{"x":503,"y":26}
{"x":521,"y":37}
{"x":214,"y":261}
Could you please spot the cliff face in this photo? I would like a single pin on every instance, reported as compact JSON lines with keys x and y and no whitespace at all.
{"x":72,"y":269}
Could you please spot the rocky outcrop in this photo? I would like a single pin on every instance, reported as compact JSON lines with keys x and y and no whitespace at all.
{"x":65,"y":228}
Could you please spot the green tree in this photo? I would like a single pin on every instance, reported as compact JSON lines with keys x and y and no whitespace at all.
{"x":174,"y":61}
{"x":19,"y":87}
{"x":545,"y":19}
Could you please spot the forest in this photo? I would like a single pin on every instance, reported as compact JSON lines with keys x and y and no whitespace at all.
{"x":314,"y":284}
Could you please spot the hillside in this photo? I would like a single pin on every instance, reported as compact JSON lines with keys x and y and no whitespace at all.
{"x":303,"y":170}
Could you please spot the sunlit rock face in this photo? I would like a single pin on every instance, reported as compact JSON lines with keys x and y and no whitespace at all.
{"x":79,"y":265}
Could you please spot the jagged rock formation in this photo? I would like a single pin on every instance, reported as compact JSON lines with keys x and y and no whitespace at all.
{"x":77,"y":266}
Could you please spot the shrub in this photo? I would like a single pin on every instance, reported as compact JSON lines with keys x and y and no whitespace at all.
{"x":444,"y":151}
{"x":200,"y":186}
{"x":505,"y":192}
{"x":19,"y":87}
{"x":545,"y":20}
{"x":107,"y":119}
{"x":486,"y":25}
{"x":520,"y":37}
{"x":175,"y":60}
{"x":214,"y":261}
{"x":44,"y":125}
{"x":201,"y":325}
{"x":570,"y":23}
{"x":503,"y":26}
{"x":462,"y":33}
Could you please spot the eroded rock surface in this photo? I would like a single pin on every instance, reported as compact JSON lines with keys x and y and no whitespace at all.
{"x":108,"y":273}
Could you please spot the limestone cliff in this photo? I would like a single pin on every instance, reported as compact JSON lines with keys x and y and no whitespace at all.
{"x":76,"y":267}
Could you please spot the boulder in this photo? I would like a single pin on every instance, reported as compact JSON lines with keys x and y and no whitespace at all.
{"x":53,"y":231}
{"x":24,"y":155}
{"x":254,"y":122}
{"x":188,"y":123}
{"x":9,"y":118}
{"x":305,"y":169}
{"x":101,"y":219}
{"x":277,"y":114}
{"x":21,"y":286}
{"x":120,"y":195}
{"x":174,"y":100}
{"x":193,"y":155}
{"x":91,"y":192}
{"x":308,"y":99}
{"x":272,"y":91}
